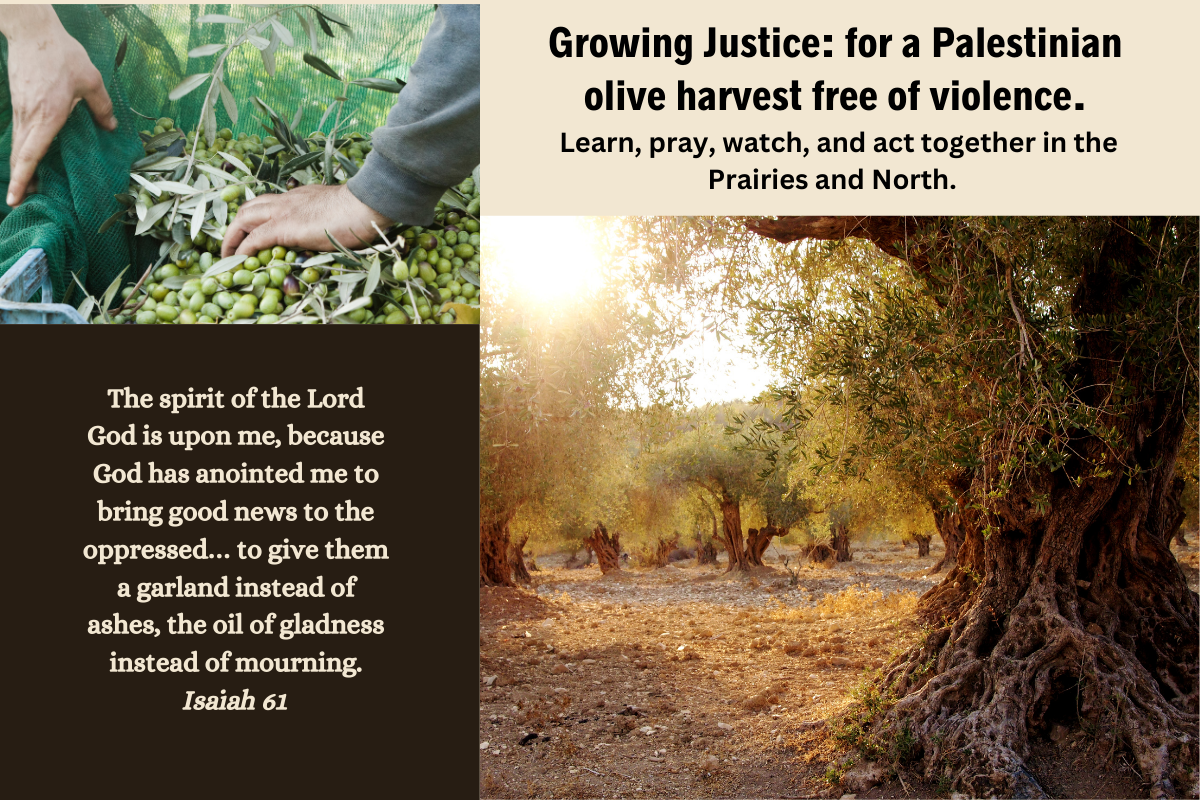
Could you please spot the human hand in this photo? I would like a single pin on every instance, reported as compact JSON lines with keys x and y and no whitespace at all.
{"x":48,"y":74}
{"x":299,"y":219}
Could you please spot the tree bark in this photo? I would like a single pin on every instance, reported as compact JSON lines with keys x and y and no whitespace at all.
{"x":494,"y":566}
{"x":1076,"y":602}
{"x":839,"y":540}
{"x":731,"y":523}
{"x":516,"y":557}
{"x":759,"y":540}
{"x":607,"y":548}
{"x":949,"y":527}
{"x":922,"y":545}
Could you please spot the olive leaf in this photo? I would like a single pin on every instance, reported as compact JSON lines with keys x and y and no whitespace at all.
{"x":452,"y":198}
{"x":321,"y":66}
{"x":120,"y":59}
{"x":221,"y":19}
{"x":268,"y":54}
{"x":381,"y":84}
{"x":372,"y":277}
{"x":332,"y":17}
{"x":309,"y":30}
{"x":206,"y":50}
{"x":298,"y":117}
{"x":353,"y":305}
{"x":224,"y":265}
{"x":237,"y":162}
{"x":111,"y":291}
{"x":284,"y":34}
{"x":210,"y":123}
{"x":175,"y":187}
{"x":300,"y":162}
{"x":198,"y":219}
{"x":228,"y":101}
{"x":188,"y":84}
{"x":85,"y":308}
{"x":220,"y":211}
{"x":153,"y":215}
{"x":113,"y":220}
{"x":347,"y":164}
{"x":153,"y":158}
{"x":151,"y":187}
{"x":469,"y":276}
{"x":324,"y":25}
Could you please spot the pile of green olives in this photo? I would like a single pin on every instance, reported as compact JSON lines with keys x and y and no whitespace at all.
{"x":415,"y":275}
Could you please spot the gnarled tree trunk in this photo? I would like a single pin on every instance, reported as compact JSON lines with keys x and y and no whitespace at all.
{"x":950,"y":528}
{"x":922,"y":544}
{"x":839,"y":540}
{"x":1072,"y":599}
{"x":731,"y":530}
{"x":494,"y":566}
{"x":607,"y":548}
{"x":516,"y":557}
{"x":758,"y":540}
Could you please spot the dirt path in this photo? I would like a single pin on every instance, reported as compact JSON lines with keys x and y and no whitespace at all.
{"x":682,"y":682}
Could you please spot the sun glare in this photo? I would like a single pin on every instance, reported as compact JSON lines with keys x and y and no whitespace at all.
{"x":545,"y":258}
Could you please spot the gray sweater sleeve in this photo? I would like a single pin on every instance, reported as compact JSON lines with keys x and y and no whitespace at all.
{"x":431,"y":139}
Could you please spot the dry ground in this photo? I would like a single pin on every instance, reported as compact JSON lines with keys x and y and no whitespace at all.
{"x":685,"y":682}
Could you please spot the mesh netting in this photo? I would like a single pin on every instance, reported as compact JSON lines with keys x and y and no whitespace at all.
{"x":86,"y":166}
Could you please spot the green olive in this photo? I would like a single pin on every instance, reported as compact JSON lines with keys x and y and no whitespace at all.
{"x":159,"y":292}
{"x":469,"y":290}
{"x":269,"y":304}
{"x":444,"y":294}
{"x":205,"y":319}
{"x":444,"y":265}
{"x":464,"y":250}
{"x":224,"y":300}
{"x":187,"y":317}
{"x":240,"y":310}
{"x":261,"y":279}
{"x":426,"y":272}
{"x":471,"y":225}
{"x":446,"y":252}
{"x":251,"y":263}
{"x":267,"y":319}
{"x":400,"y":271}
{"x":197,"y":302}
{"x":167,"y":313}
{"x":264,"y":256}
{"x":290,"y":256}
{"x":446,"y":319}
{"x":243,"y":277}
{"x":211,"y":310}
{"x":279,"y":252}
{"x":231,"y":193}
{"x":310,"y":275}
{"x":455,"y":287}
{"x":145,"y":317}
{"x":225,"y":279}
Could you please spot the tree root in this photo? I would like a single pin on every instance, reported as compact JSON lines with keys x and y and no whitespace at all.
{"x":974,"y":693}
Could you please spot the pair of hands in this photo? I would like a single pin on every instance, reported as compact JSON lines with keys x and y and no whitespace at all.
{"x":50,"y":73}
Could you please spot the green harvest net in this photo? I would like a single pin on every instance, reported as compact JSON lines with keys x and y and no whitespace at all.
{"x":86,"y":166}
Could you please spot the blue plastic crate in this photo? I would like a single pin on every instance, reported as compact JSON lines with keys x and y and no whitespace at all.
{"x":17,"y":285}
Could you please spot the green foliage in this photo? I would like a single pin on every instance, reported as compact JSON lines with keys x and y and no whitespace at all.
{"x":982,"y":355}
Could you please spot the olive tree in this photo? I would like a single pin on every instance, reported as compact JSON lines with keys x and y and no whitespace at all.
{"x":1045,"y":368}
